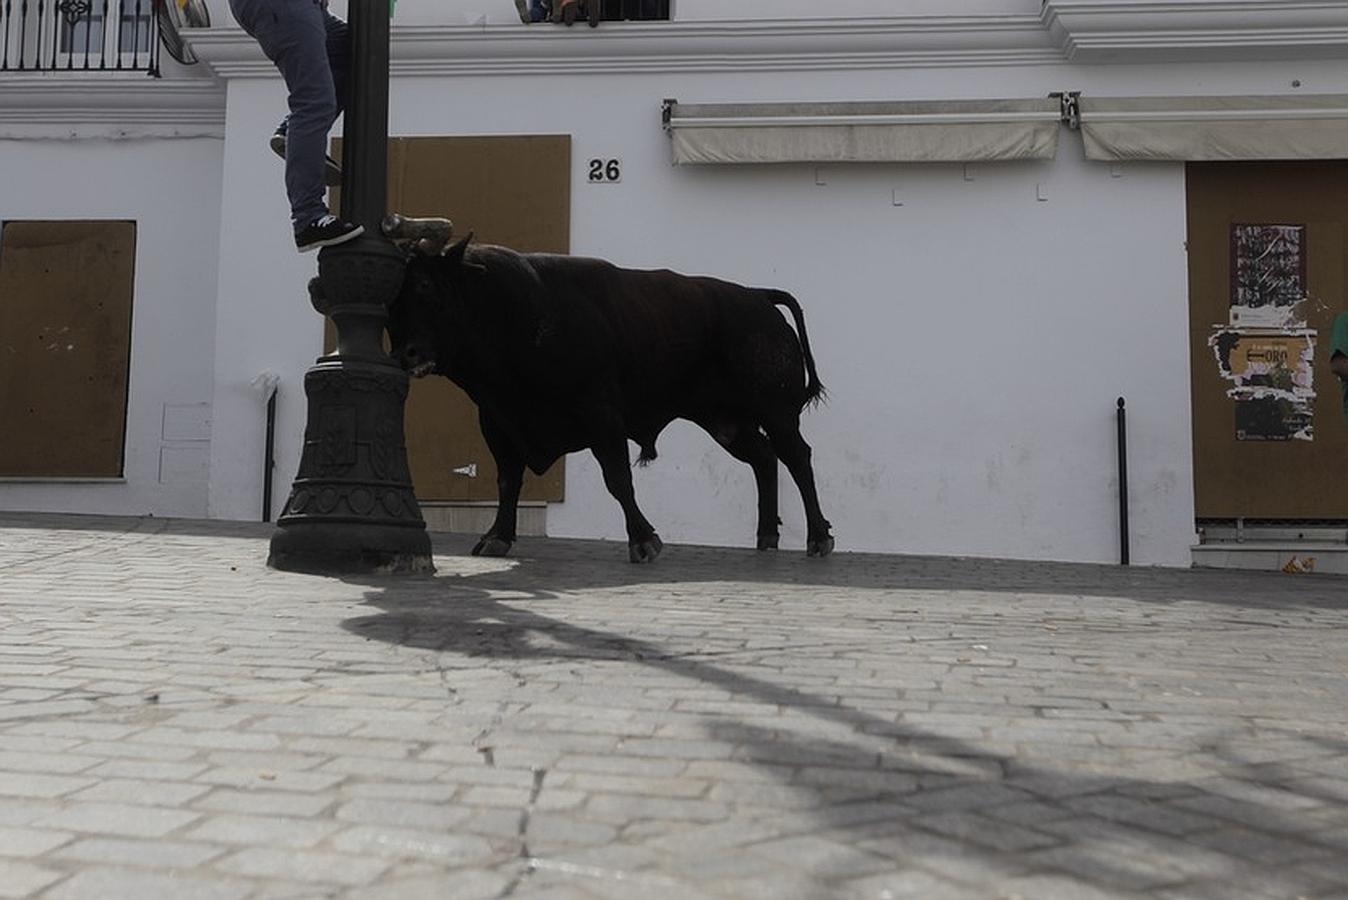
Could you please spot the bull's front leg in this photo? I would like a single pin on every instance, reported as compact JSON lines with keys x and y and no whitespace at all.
{"x":509,"y":479}
{"x":643,"y":544}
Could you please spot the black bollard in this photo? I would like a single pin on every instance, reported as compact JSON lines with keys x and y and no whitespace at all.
{"x":1123,"y":483}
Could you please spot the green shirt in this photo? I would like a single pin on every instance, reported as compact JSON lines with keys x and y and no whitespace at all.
{"x":1339,"y":344}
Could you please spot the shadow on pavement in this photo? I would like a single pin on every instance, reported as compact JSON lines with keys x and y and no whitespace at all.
{"x":842,"y":791}
{"x":1268,"y":816}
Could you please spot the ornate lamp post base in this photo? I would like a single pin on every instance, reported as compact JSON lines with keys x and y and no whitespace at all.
{"x":352,"y":508}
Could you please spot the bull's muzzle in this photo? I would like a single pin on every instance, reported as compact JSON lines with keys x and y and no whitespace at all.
{"x":411,"y":361}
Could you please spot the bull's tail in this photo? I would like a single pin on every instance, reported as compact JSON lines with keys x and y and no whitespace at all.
{"x":814,"y":389}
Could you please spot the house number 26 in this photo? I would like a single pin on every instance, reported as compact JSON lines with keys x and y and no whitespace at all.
{"x":606,"y":171}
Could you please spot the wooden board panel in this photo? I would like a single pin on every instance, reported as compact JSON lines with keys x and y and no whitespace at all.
{"x":513,"y":191}
{"x":1266,"y":479}
{"x":65,"y":346}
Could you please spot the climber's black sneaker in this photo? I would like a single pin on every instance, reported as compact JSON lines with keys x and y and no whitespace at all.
{"x":326,"y":232}
{"x":332,"y":172}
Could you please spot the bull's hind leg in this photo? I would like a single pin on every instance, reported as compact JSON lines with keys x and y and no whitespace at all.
{"x":747,"y":444}
{"x":643,"y":544}
{"x":509,"y":479}
{"x":795,"y":454}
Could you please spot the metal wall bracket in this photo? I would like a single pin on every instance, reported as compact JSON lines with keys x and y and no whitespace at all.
{"x":1071,"y":108}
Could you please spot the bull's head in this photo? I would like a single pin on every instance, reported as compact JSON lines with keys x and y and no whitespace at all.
{"x":420,"y":318}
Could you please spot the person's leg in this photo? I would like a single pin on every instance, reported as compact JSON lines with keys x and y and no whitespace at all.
{"x":293,"y":34}
{"x":339,"y":56}
{"x":339,"y":61}
{"x":303,"y":61}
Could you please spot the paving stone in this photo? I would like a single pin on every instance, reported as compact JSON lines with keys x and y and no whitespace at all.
{"x":263,"y":830}
{"x":628,"y":784}
{"x":21,"y":812}
{"x":27,"y":842}
{"x":117,"y":818}
{"x":101,"y":883}
{"x":913,"y":884}
{"x":45,"y":708}
{"x":21,"y":879}
{"x":822,"y":858}
{"x":1053,"y":887}
{"x":403,"y":813}
{"x":972,"y":827}
{"x":28,"y":784}
{"x":264,"y":802}
{"x":447,"y":886}
{"x":270,"y":779}
{"x":403,"y":843}
{"x":302,"y":865}
{"x":148,"y":793}
{"x":149,"y":854}
{"x":419,"y":791}
{"x":148,"y":770}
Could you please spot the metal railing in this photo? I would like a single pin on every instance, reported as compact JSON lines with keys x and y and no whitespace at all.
{"x":636,"y":10}
{"x":79,"y":35}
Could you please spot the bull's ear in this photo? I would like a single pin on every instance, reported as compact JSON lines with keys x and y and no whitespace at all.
{"x":455,"y":251}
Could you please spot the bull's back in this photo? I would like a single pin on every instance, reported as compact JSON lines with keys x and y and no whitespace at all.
{"x":673,"y":335}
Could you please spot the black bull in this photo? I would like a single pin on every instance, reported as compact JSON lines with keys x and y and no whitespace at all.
{"x":563,"y":353}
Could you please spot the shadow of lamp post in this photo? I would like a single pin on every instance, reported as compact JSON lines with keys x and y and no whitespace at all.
{"x":352,"y":507}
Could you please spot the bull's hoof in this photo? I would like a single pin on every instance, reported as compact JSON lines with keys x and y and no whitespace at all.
{"x":645,"y":551}
{"x":768,"y":541}
{"x":820,"y":547}
{"x":491,"y":545}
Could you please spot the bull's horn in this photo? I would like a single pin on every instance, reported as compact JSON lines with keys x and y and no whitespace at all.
{"x":409,"y":229}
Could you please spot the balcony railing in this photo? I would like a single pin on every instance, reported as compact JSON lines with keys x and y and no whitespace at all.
{"x":79,"y":35}
{"x":618,"y":10}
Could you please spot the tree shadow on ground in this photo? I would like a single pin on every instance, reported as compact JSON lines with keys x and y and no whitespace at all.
{"x":875,"y":805}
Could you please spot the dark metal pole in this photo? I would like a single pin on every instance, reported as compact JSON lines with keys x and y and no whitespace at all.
{"x":1123,"y":483}
{"x":269,"y":457}
{"x":352,"y":507}
{"x":365,"y":138}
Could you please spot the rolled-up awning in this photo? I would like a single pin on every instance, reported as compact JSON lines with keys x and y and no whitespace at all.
{"x":912,"y":131}
{"x":1216,"y":128}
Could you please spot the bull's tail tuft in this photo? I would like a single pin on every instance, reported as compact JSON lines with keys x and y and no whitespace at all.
{"x":648,"y":455}
{"x":814,"y":389}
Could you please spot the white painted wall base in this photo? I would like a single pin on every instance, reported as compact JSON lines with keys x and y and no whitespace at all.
{"x":476,"y":518}
{"x":1293,"y":558}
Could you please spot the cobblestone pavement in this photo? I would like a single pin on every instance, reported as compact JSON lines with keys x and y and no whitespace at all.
{"x":177,"y":721}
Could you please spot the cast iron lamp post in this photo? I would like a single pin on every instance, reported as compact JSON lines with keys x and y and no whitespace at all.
{"x":352,"y":507}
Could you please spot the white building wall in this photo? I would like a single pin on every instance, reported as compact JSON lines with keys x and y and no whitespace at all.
{"x":264,"y":322}
{"x":974,"y":340}
{"x":171,"y":189}
{"x":974,"y":336}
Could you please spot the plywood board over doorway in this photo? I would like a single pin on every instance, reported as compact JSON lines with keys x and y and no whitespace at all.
{"x":1236,"y":475}
{"x":65,"y":335}
{"x":514,"y":191}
